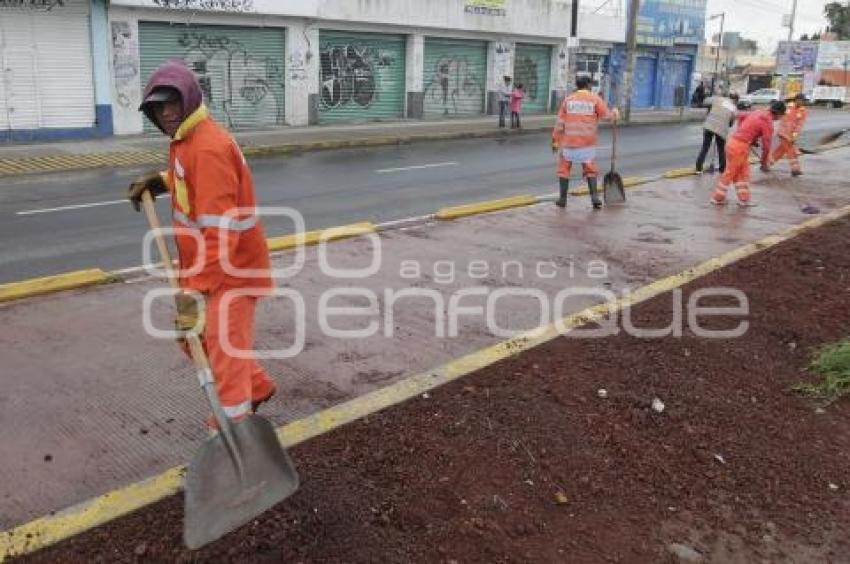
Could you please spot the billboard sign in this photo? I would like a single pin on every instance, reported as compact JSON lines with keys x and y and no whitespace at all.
{"x":671,"y":22}
{"x":796,"y":56}
{"x":833,"y":55}
{"x":485,"y":7}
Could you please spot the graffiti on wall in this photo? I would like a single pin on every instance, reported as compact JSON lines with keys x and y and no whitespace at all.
{"x":453,"y":79}
{"x":243,"y":87}
{"x":212,"y":5}
{"x":125,"y":64}
{"x":349,"y":75}
{"x":45,"y":5}
{"x":526,"y":73}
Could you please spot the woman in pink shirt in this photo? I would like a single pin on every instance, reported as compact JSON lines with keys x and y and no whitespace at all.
{"x":516,"y":105}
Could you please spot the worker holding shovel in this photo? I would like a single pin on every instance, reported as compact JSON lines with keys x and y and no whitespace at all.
{"x":576,"y":135}
{"x":753,"y":127}
{"x":789,"y":131}
{"x":223,"y":257}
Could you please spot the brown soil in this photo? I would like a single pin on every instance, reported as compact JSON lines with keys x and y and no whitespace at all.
{"x":524,"y":462}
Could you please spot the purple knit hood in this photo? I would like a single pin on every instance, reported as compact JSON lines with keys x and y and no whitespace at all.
{"x":174,"y":74}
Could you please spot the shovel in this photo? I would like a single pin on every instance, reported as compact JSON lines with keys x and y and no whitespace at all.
{"x":613,"y":190}
{"x":240,"y":472}
{"x":711,"y":168}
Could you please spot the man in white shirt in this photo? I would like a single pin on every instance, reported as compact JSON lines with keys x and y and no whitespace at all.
{"x":504,"y":92}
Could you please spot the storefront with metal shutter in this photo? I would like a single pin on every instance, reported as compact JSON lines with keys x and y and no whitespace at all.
{"x":47,"y":83}
{"x":455,"y":75}
{"x":361,"y":76}
{"x":531,"y":69}
{"x":241,"y":69}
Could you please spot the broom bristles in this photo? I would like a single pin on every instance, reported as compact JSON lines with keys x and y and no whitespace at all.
{"x":829,"y":138}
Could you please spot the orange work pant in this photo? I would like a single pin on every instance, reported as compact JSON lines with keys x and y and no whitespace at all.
{"x":588,"y":169}
{"x":787,"y":148}
{"x":239,"y":378}
{"x":737,"y":173}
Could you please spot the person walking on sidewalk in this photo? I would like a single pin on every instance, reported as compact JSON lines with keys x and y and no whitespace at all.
{"x":754,"y":127}
{"x":516,"y":105}
{"x":223,"y":257}
{"x":576,"y":135}
{"x":504,"y":93}
{"x":721,"y":117}
{"x":789,"y":131}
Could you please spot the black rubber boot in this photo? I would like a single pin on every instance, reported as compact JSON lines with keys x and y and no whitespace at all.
{"x":594,"y":194}
{"x":563,"y":185}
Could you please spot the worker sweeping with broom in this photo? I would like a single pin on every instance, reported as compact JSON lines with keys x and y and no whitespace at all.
{"x":789,"y":131}
{"x":220,"y":242}
{"x":754,"y":127}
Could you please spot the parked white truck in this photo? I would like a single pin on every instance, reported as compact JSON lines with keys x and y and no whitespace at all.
{"x":835,"y":96}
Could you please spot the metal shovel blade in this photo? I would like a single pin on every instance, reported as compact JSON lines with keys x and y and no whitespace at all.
{"x":613,"y":190}
{"x":217,"y":499}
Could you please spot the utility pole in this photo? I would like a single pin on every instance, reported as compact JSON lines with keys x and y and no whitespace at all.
{"x":790,"y":39}
{"x":722,"y":16}
{"x":631,"y":55}
{"x":572,"y":47}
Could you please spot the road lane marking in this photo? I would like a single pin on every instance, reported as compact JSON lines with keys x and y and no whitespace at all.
{"x":415,"y":167}
{"x":77,"y":206}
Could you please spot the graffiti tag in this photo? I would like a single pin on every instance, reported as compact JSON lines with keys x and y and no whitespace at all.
{"x":45,"y":5}
{"x":453,"y":79}
{"x":349,"y":74}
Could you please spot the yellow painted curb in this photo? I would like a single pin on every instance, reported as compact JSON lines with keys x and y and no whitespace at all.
{"x":55,"y":283}
{"x":49,"y":530}
{"x":305,"y":238}
{"x":679,"y":173}
{"x":456,"y":212}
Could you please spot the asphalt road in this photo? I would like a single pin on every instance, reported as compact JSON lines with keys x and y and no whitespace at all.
{"x":65,"y":221}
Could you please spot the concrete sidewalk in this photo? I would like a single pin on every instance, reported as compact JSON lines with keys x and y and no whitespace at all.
{"x":153,"y":149}
{"x":92,"y":402}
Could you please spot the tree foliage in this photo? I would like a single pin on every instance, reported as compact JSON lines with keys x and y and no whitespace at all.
{"x":838,"y":15}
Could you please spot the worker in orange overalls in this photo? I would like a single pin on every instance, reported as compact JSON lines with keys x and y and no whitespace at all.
{"x":576,"y":135}
{"x":753,"y":127}
{"x":212,"y":203}
{"x":789,"y":131}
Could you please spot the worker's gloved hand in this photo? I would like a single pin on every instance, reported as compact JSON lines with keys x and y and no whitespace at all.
{"x":765,"y":167}
{"x":190,"y":313}
{"x":151,"y":182}
{"x":554,"y":146}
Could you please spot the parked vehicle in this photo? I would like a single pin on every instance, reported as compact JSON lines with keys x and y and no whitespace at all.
{"x":762,"y":96}
{"x":835,"y":96}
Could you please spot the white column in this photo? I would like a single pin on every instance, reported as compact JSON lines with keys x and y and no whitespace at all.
{"x":126,"y":80}
{"x":302,"y":73}
{"x":500,"y":63}
{"x":559,"y":75}
{"x":414,"y":73}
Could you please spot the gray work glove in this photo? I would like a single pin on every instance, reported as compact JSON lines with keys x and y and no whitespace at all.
{"x":151,"y":182}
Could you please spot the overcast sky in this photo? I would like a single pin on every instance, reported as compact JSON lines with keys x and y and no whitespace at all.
{"x":762,"y":19}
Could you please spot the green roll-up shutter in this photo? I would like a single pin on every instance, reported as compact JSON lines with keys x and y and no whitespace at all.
{"x":241,"y":69}
{"x":361,"y":76}
{"x":455,"y":77}
{"x":531,"y":69}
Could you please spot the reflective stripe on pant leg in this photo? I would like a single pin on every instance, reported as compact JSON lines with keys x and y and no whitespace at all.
{"x":742,"y":190}
{"x":564,"y":167}
{"x":234,"y":326}
{"x":589,"y":169}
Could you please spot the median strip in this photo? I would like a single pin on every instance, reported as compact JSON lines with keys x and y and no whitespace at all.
{"x":465,"y":210}
{"x":50,"y":284}
{"x":51,"y":529}
{"x":306,"y":238}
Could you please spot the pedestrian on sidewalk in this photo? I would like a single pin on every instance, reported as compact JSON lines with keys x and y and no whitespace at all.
{"x":576,"y":135}
{"x":789,"y":131}
{"x":754,"y":127}
{"x":516,"y":105}
{"x":223,"y":257}
{"x":504,"y":92}
{"x":721,"y":117}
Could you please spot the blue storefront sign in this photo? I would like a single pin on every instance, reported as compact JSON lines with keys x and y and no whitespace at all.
{"x":664,"y":23}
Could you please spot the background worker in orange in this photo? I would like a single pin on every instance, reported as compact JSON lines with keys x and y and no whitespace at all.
{"x":576,"y":135}
{"x":753,"y":127}
{"x":789,"y":131}
{"x":212,"y":201}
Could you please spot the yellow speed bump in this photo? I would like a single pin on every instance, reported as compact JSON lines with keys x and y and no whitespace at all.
{"x":306,"y":238}
{"x":679,"y":172}
{"x":55,"y":283}
{"x":465,"y":210}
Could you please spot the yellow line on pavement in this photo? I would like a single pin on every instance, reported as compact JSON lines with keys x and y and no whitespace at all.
{"x":306,"y":238}
{"x":679,"y":172}
{"x":49,"y":284}
{"x":465,"y":210}
{"x":51,"y":529}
